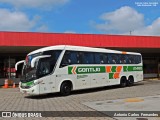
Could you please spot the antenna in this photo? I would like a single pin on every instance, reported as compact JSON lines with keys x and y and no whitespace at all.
{"x":130,"y":32}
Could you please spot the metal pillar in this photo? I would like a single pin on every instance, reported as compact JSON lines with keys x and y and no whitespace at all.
{"x":9,"y":64}
{"x":158,"y":68}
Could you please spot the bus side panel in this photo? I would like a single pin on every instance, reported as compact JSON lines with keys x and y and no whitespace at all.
{"x":139,"y":76}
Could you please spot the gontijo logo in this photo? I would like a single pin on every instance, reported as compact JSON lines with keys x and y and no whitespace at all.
{"x":86,"y":69}
{"x":89,"y":70}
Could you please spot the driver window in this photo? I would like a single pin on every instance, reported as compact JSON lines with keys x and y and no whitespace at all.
{"x":44,"y":67}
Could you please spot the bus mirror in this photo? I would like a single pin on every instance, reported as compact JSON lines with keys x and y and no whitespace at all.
{"x":16,"y":65}
{"x":37,"y":58}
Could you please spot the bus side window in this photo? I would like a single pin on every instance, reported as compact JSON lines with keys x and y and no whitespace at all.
{"x":87,"y":58}
{"x":97,"y":58}
{"x":112,"y":58}
{"x":122,"y":59}
{"x":65,"y":61}
{"x":79,"y":57}
{"x":127,"y":59}
{"x":137,"y":59}
{"x":70,"y":58}
{"x":109,"y":58}
{"x":100,"y":58}
{"x":131,"y":59}
{"x":54,"y":56}
{"x":73,"y":57}
{"x":105,"y":58}
{"x":44,"y":67}
{"x":118,"y":58}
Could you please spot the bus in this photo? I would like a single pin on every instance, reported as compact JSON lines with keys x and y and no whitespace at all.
{"x":65,"y":68}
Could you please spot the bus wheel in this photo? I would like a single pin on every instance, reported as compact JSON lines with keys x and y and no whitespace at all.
{"x":130,"y":81}
{"x":123,"y":82}
{"x":65,"y":89}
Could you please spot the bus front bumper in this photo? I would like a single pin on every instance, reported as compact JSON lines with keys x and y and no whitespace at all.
{"x":30,"y":91}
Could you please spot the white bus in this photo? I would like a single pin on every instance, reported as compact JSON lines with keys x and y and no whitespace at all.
{"x":66,"y":68}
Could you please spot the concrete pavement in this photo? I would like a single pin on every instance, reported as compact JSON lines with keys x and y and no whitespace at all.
{"x":129,"y":108}
{"x":12,"y":100}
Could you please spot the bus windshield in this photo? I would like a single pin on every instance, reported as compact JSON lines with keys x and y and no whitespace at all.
{"x":42,"y":67}
{"x":29,"y":73}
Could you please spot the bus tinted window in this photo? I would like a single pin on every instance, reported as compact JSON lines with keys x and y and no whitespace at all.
{"x":138,"y":59}
{"x":113,"y":59}
{"x":97,"y":58}
{"x":69,"y":58}
{"x":131,"y":59}
{"x":53,"y":53}
{"x":74,"y":57}
{"x":100,"y":58}
{"x":46,"y":65}
{"x":87,"y":58}
{"x":122,"y":59}
{"x":134,"y":59}
{"x":54,"y":57}
{"x":79,"y":57}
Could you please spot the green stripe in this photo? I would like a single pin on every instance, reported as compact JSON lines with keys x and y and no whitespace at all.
{"x":88,"y":69}
{"x":125,"y":68}
{"x":113,"y":68}
{"x":111,"y":75}
{"x":132,"y":68}
{"x":102,"y":69}
{"x":70,"y":70}
{"x":28,"y":83}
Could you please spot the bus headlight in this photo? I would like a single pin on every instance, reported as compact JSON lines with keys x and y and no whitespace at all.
{"x":37,"y":82}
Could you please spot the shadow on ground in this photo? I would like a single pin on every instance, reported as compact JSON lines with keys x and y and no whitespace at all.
{"x":91,"y":90}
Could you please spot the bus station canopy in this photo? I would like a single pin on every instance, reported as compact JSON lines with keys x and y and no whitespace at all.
{"x":28,"y":41}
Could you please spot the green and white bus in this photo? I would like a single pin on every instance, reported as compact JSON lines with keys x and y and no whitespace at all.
{"x":66,"y":68}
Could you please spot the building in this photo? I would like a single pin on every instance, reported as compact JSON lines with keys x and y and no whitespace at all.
{"x":14,"y":46}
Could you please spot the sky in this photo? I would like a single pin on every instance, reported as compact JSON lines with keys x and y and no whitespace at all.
{"x":122,"y":17}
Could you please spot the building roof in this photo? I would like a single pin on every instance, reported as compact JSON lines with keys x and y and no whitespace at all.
{"x":91,"y":40}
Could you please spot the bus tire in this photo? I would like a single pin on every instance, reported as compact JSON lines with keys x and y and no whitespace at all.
{"x":123,"y":82}
{"x":130,"y":81}
{"x":65,"y":88}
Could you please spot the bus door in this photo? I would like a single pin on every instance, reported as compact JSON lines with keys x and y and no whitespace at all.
{"x":47,"y":82}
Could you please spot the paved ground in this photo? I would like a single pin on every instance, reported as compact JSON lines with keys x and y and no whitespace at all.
{"x":12,"y":100}
{"x":137,"y":107}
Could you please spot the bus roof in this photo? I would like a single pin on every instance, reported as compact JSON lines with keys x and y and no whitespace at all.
{"x":80,"y":48}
